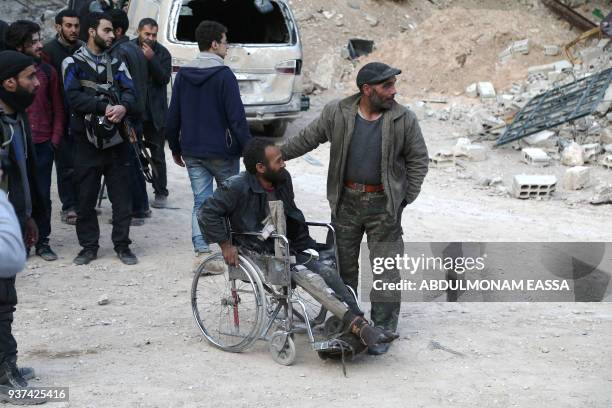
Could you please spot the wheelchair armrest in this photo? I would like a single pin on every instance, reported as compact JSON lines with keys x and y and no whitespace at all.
{"x":259,"y":234}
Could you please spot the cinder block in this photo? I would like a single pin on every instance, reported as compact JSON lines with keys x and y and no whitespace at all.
{"x":486,"y":90}
{"x":521,"y":47}
{"x":607,"y":162}
{"x":576,"y":178}
{"x":472,"y":90}
{"x":443,"y":158}
{"x":530,"y":186}
{"x":552,"y":50}
{"x":535,"y":157}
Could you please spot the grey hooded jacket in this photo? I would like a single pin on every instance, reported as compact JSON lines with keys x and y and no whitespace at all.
{"x":404,"y":161}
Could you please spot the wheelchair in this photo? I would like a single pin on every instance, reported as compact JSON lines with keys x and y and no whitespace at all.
{"x":257,"y":301}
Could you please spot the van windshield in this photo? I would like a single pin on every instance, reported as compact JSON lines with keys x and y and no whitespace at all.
{"x":245,"y":24}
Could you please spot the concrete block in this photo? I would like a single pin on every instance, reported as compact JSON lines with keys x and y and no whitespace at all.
{"x":552,"y":50}
{"x":530,"y":186}
{"x":576,"y":178}
{"x":535,"y":157}
{"x":476,"y":152}
{"x":591,"y":151}
{"x":521,"y":47}
{"x":443,"y":158}
{"x":545,"y":138}
{"x":572,"y":155}
{"x":472,"y":90}
{"x":607,"y":162}
{"x":505,"y":54}
{"x":608,"y":148}
{"x":486,"y":90}
{"x":540,"y":69}
{"x":459,"y":149}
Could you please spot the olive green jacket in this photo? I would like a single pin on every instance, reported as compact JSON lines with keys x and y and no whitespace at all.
{"x":404,"y":153}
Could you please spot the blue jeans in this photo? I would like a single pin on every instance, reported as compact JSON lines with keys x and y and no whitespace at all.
{"x":201,"y":173}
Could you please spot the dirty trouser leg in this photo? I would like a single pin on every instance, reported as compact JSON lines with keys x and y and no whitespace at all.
{"x":332,"y":280}
{"x":349,"y":232}
{"x":318,"y":289}
{"x":384,"y":241}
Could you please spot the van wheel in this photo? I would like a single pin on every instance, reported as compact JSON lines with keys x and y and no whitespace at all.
{"x":275,"y":129}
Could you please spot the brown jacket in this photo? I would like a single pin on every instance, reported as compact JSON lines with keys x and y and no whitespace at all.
{"x":404,"y":154}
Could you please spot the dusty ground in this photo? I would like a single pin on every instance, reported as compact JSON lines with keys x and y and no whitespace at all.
{"x":144,"y":350}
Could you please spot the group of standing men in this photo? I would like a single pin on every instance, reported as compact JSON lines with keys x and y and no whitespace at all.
{"x":109,"y":84}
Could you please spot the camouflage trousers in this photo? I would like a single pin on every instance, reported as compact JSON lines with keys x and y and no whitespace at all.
{"x":360,"y":213}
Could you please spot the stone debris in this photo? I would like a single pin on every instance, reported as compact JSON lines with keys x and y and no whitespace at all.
{"x":576,"y":178}
{"x":486,"y":90}
{"x":535,"y":157}
{"x":545,"y":139}
{"x":591,"y":151}
{"x":103,"y":300}
{"x":606,"y":162}
{"x":533,"y":186}
{"x":443,"y":158}
{"x":603,"y":195}
{"x":472,"y":90}
{"x":572,"y":155}
{"x":517,"y":47}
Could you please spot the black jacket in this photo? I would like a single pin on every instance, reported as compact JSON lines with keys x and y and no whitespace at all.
{"x":54,"y":53}
{"x":15,"y":185}
{"x":81,"y":100}
{"x":243,"y":201}
{"x":136,"y":62}
{"x":160,"y":72}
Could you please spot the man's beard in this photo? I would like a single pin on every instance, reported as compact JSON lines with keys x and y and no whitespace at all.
{"x":275,"y":177}
{"x":99,"y":41}
{"x":67,"y":39}
{"x":19,"y":100}
{"x":377,"y":103}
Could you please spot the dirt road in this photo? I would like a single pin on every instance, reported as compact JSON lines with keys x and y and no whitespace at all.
{"x":144,"y":350}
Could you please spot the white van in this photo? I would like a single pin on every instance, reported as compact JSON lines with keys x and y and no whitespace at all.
{"x":265,"y":50}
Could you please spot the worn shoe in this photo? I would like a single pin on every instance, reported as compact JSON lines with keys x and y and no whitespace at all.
{"x":46,"y":253}
{"x":26,"y":372}
{"x":379,"y":349}
{"x":161,"y":201}
{"x":69,"y":217}
{"x":370,"y":335}
{"x":127,"y":257}
{"x":85,"y":256}
{"x":137,"y":222}
{"x":13,"y":377}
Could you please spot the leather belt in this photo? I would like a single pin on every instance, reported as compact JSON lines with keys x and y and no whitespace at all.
{"x":364,"y":188}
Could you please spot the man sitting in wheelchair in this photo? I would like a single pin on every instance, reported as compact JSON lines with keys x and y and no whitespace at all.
{"x":244,"y":200}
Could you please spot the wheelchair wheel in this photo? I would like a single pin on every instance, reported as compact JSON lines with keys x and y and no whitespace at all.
{"x":228,"y":307}
{"x":282,"y":348}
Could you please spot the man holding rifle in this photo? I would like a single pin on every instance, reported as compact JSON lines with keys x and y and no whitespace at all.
{"x":100,"y":93}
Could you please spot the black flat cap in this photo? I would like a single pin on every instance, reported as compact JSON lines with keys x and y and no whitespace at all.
{"x":12,"y":63}
{"x":375,"y":73}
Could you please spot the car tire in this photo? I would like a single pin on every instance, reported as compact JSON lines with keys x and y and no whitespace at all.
{"x":275,"y":129}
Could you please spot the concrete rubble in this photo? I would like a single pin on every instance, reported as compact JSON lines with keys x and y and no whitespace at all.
{"x":536,"y":157}
{"x":576,"y":178}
